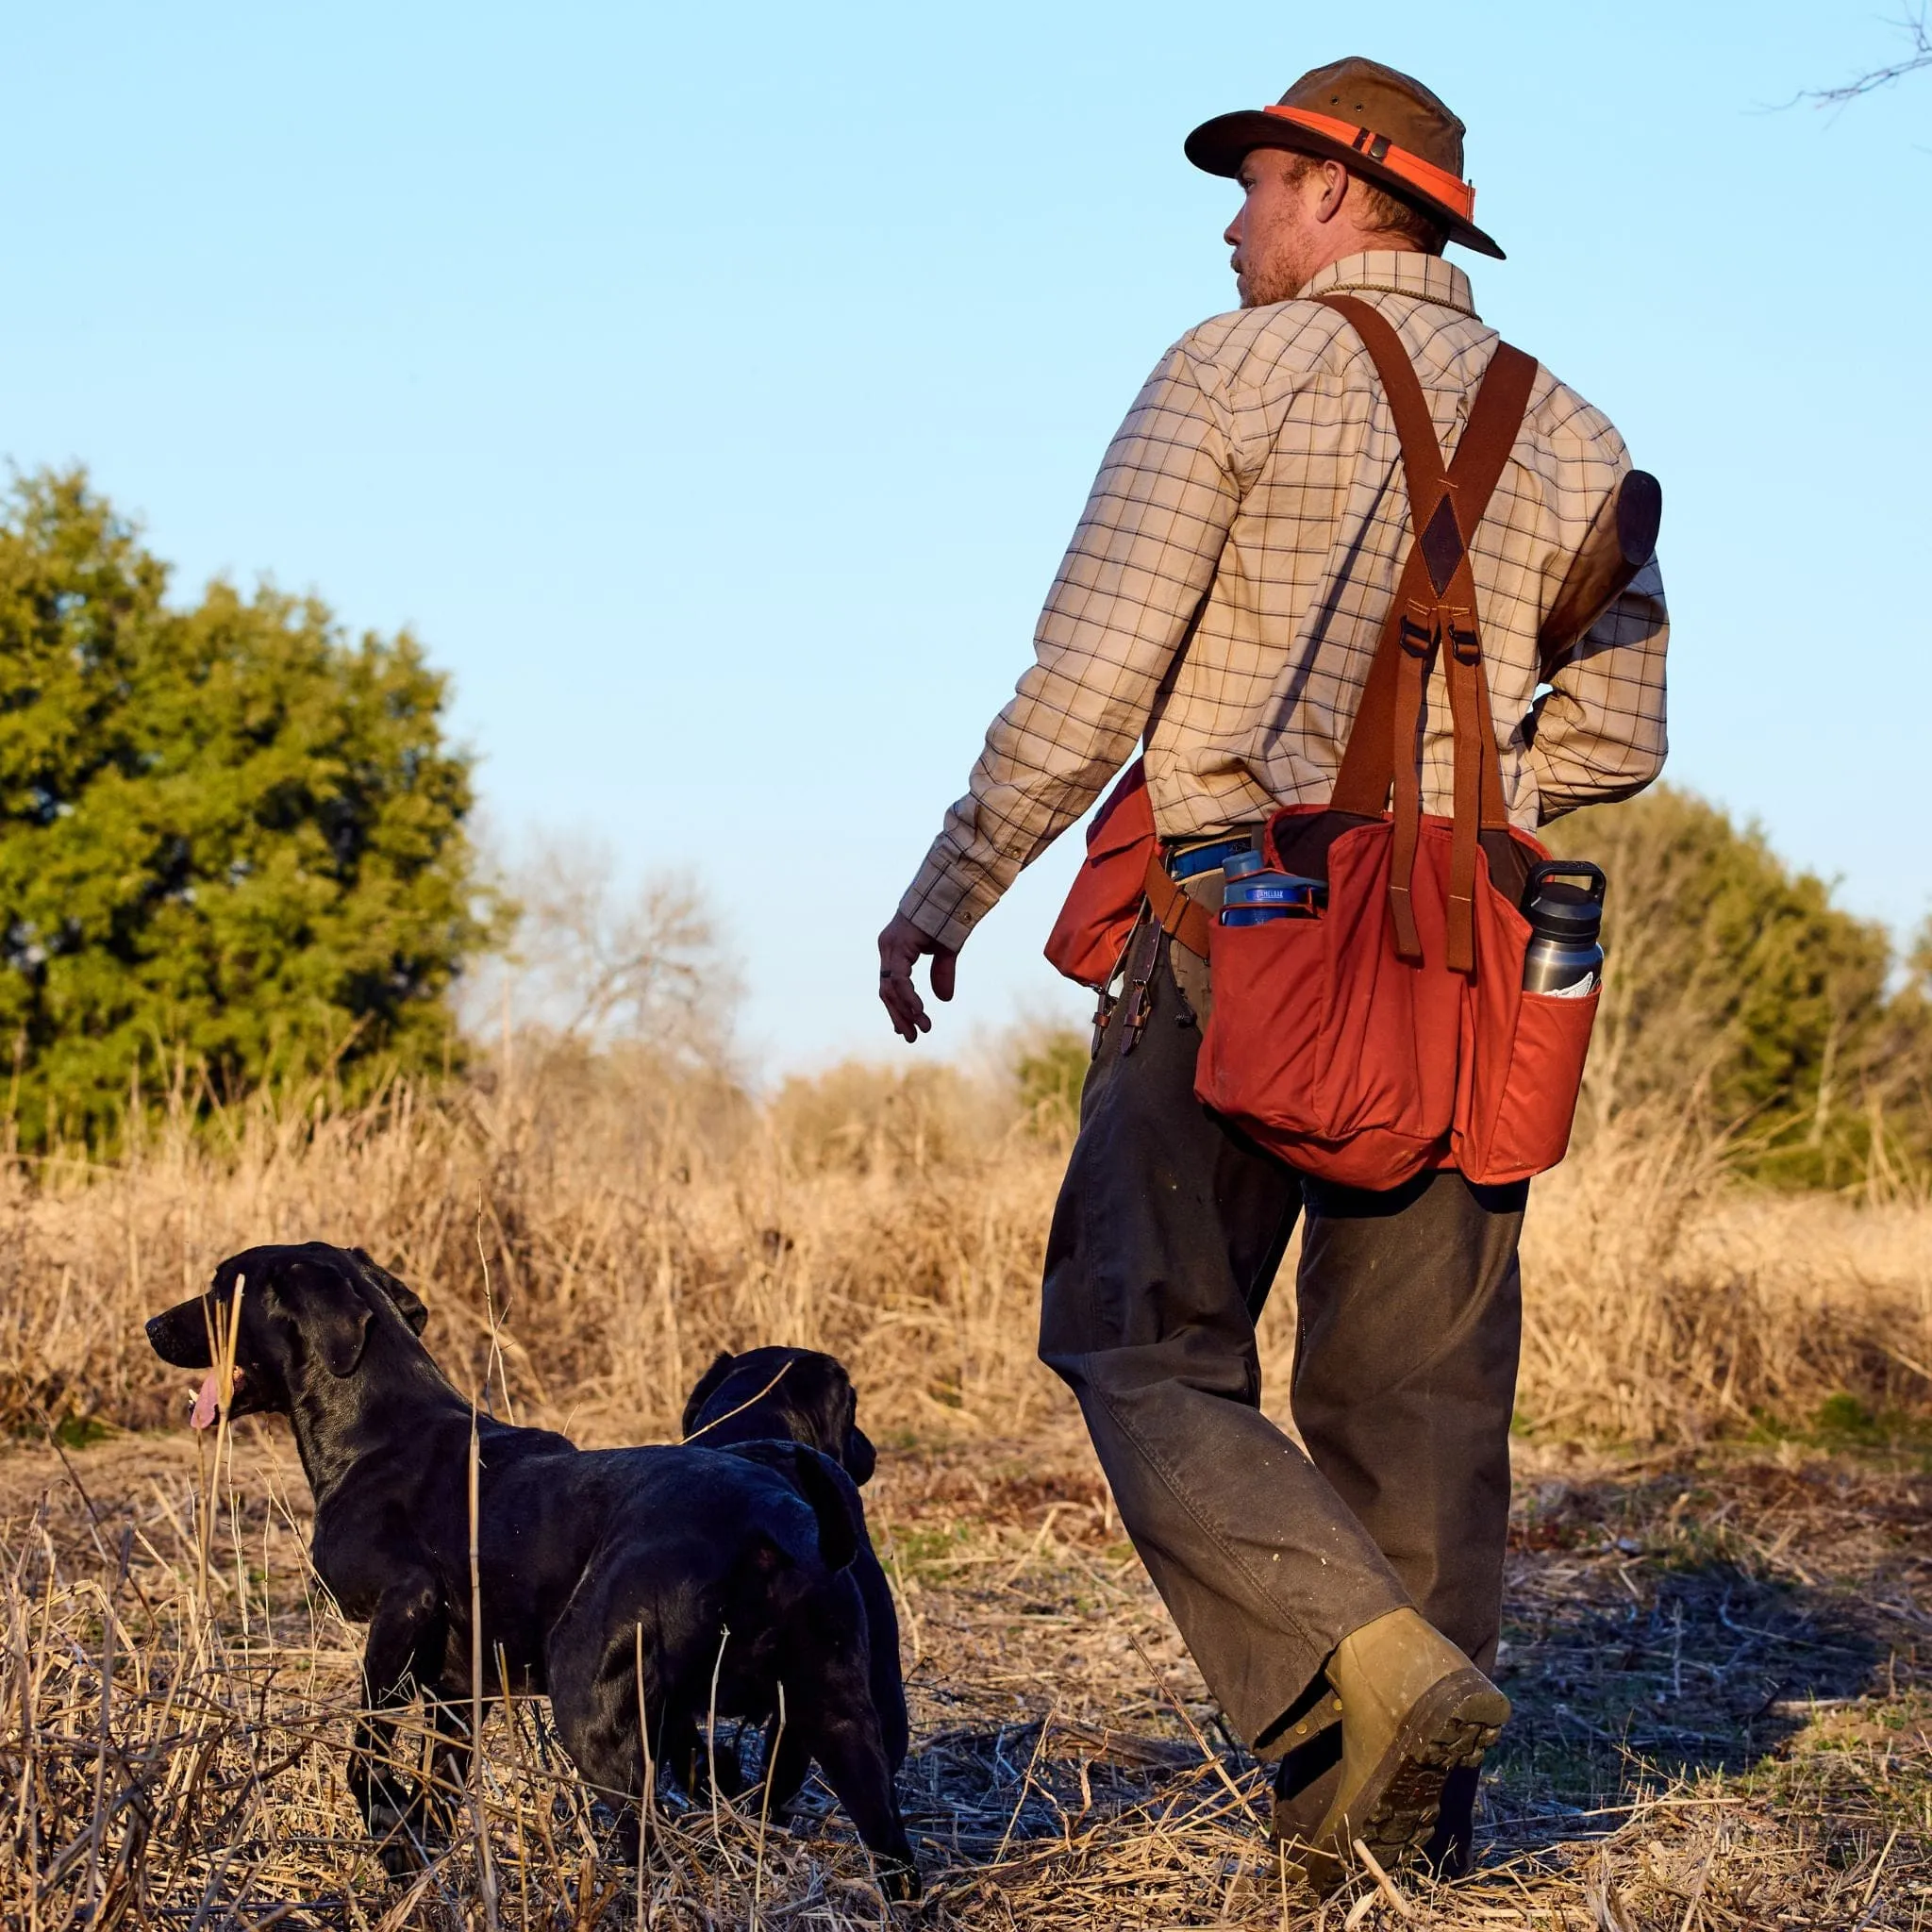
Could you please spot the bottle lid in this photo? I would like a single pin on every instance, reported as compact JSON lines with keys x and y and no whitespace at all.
{"x":1240,"y":865}
{"x":1560,"y":910}
{"x":1557,"y":911}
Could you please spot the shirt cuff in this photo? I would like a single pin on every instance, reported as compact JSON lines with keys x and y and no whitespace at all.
{"x":942,"y":904}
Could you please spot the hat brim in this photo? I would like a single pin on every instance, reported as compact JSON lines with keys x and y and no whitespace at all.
{"x":1218,"y":146}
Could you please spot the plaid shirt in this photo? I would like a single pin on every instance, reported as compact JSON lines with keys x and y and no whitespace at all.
{"x":1257,"y":478}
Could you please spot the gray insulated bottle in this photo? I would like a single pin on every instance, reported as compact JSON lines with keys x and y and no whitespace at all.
{"x":1566,"y":954}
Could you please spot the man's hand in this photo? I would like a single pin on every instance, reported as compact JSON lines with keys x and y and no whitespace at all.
{"x":900,"y":944}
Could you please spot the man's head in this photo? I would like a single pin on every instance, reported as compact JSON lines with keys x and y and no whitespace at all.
{"x":1298,"y":215}
{"x":1354,"y":156}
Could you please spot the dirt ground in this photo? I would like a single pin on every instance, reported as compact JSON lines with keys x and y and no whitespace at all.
{"x":1721,"y":1663}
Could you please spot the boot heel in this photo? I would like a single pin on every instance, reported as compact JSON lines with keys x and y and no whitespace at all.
{"x":1394,"y":1811}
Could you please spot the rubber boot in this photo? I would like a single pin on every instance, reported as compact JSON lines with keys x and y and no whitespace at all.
{"x":1414,"y":1709}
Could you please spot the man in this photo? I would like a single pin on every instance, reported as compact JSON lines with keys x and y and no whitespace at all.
{"x":1224,"y":595}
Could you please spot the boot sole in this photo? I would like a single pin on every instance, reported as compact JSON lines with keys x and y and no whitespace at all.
{"x":1394,"y":1809}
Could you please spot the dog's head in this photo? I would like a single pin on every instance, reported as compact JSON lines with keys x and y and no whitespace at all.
{"x":305,"y":1311}
{"x":768,"y":1394}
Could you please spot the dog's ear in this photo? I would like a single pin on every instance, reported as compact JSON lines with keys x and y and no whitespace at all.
{"x":834,"y":1502}
{"x":329,"y":1310}
{"x":342,"y":1334}
{"x":861,"y":1458}
{"x":847,"y":1442}
{"x":708,"y":1387}
{"x":408,"y":1303}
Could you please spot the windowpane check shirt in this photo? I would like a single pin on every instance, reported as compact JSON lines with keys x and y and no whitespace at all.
{"x":1257,"y":482}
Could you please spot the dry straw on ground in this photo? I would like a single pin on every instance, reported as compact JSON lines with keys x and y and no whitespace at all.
{"x":1718,"y":1669}
{"x":1717,"y":1652}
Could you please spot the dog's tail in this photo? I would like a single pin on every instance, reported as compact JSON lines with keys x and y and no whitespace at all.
{"x":825,"y":1488}
{"x":834,"y":1501}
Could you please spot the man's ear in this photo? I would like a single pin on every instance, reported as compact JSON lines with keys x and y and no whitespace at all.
{"x":408,"y":1304}
{"x":708,"y":1387}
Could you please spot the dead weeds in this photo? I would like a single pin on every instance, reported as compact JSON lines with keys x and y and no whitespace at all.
{"x":1719,"y":1662}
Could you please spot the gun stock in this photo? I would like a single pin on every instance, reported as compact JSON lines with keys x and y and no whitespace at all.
{"x":1621,"y":541}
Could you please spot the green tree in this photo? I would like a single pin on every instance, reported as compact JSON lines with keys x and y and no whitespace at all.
{"x":1733,"y":986}
{"x":232,"y":840}
{"x":1895,"y":1081}
{"x":1051,"y":1070}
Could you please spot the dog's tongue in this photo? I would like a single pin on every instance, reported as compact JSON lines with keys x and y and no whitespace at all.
{"x":207,"y":1402}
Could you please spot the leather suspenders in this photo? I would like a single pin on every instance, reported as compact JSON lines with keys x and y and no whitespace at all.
{"x":1435,"y":608}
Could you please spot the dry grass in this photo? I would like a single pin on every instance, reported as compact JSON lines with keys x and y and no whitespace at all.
{"x":1718,"y":1666}
{"x":623,"y":1241}
{"x":1665,"y":1303}
{"x":1717,"y":1650}
{"x":629,"y":1226}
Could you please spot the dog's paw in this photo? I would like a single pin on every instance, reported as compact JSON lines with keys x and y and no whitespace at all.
{"x":400,"y":1858}
{"x":393,"y":1827}
{"x":899,"y":1880}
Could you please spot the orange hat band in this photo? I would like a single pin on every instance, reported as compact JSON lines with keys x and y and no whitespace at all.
{"x":1439,"y":184}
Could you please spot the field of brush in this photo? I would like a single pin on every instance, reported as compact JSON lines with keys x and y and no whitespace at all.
{"x":1719,"y":1635}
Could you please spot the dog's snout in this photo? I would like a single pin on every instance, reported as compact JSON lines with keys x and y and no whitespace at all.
{"x":180,"y":1342}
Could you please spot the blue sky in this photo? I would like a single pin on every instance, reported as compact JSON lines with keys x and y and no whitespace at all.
{"x":713,"y":389}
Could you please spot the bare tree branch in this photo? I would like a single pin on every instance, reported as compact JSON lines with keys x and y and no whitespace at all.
{"x":1917,"y":27}
{"x":595,"y":961}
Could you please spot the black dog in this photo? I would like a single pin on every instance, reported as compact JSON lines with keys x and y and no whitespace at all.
{"x":799,"y":1395}
{"x":607,"y":1578}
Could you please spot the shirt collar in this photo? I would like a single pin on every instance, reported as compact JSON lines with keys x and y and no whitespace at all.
{"x":1397,"y":272}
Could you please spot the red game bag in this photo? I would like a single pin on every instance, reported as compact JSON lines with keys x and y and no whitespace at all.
{"x":1392,"y":1033}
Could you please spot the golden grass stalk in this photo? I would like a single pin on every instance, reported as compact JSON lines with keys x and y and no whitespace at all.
{"x":1662,"y":1301}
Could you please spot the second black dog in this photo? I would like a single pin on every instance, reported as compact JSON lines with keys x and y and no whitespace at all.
{"x":800,"y":1395}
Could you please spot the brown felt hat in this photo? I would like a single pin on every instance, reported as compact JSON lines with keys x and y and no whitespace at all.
{"x":1380,"y":123}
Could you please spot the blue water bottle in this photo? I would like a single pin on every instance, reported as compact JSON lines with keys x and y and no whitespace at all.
{"x":1254,"y":894}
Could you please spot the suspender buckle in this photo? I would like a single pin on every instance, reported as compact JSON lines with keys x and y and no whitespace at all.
{"x":1418,"y":638}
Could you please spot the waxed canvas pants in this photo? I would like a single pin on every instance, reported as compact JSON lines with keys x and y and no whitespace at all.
{"x":1166,"y":1236}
